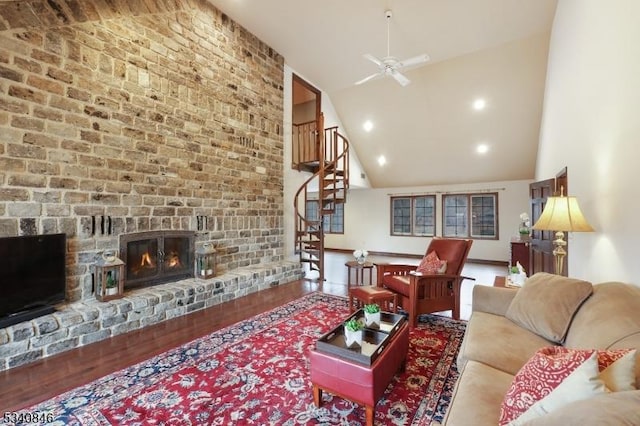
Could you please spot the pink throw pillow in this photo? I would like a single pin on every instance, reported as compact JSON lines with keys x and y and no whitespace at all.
{"x":556,"y":376}
{"x":431,"y":264}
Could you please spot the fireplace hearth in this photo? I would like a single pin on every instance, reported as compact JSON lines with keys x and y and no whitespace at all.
{"x":157,"y":257}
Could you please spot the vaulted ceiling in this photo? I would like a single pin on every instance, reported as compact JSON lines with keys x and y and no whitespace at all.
{"x":428,"y":131}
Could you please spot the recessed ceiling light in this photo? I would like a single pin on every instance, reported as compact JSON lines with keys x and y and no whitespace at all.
{"x":382,"y":160}
{"x":482,"y":148}
{"x":367,"y":126}
{"x":479,"y":104}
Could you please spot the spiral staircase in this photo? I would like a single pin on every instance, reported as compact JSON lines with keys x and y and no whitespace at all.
{"x":328,"y":184}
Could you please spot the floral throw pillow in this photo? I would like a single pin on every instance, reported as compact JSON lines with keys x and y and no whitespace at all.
{"x":556,"y":376}
{"x":431,"y":264}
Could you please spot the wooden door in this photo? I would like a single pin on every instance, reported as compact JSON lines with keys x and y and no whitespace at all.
{"x":306,"y":110}
{"x":562,"y":182}
{"x":541,"y":247}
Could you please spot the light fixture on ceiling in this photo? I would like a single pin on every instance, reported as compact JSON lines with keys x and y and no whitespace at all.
{"x":382,"y":160}
{"x":483,"y":148}
{"x":367,"y":126}
{"x":479,"y":104}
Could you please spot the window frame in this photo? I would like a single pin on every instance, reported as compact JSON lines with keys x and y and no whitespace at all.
{"x":413,"y":216}
{"x":336,"y":218}
{"x":328,"y":222}
{"x":471,"y":223}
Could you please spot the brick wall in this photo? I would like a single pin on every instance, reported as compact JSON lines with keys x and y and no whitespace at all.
{"x":152,"y":114}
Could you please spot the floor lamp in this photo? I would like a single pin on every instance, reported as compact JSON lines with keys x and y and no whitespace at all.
{"x":561,"y":214}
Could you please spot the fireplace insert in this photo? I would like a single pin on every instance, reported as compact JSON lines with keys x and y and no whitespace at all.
{"x":157,"y":256}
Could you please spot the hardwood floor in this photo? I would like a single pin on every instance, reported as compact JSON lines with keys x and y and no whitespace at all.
{"x":27,"y":385}
{"x":24,"y":386}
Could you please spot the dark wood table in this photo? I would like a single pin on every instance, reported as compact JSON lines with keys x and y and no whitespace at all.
{"x":359,"y":272}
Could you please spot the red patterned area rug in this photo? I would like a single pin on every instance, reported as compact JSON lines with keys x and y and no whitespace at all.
{"x":256,"y":372}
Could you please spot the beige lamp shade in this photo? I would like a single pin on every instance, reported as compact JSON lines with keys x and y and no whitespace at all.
{"x":562,"y":214}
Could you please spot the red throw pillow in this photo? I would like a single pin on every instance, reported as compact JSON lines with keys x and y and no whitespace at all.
{"x":556,"y":376}
{"x":431,"y":264}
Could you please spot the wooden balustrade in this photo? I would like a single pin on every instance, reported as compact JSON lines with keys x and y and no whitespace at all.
{"x":305,"y":143}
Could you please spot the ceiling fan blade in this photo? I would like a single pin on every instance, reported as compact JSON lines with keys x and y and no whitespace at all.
{"x":416,"y":60}
{"x":400,"y":78}
{"x":369,"y":78}
{"x":373,"y":59}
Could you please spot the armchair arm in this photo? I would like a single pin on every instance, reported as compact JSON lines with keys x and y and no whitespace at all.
{"x":383,"y":269}
{"x":395,"y":267}
{"x":440,"y":277}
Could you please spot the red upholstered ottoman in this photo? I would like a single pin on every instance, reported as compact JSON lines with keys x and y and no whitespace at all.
{"x":359,"y":296}
{"x":359,"y":383}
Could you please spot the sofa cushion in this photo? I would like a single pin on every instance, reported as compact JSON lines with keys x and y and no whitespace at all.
{"x":498,"y":342}
{"x":618,"y":369}
{"x":609,"y":319}
{"x":610,"y":409}
{"x":610,"y":314}
{"x":546,"y":303}
{"x":477,"y":395}
{"x":556,"y":376}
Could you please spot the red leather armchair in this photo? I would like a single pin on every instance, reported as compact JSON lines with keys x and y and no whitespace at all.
{"x":423,"y":294}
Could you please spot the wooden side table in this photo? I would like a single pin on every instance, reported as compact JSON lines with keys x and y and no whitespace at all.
{"x":502,"y":281}
{"x":359,"y":272}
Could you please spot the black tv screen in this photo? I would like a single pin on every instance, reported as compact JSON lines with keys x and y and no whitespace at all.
{"x":32,"y":274}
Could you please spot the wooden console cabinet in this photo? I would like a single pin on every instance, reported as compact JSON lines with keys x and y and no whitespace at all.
{"x":520,"y":253}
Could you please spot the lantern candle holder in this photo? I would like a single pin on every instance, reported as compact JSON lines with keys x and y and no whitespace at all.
{"x":108,"y":275}
{"x":205,"y":262}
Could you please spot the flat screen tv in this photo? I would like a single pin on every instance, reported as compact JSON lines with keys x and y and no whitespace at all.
{"x":32,"y":276}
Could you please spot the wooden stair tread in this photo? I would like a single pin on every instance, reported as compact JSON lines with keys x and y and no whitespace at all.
{"x":330,"y":174}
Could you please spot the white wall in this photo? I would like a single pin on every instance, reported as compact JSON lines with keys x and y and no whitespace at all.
{"x":305,"y":112}
{"x":367,"y":210}
{"x":367,"y":219}
{"x":591,"y":124}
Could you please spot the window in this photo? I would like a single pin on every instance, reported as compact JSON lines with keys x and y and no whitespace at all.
{"x":312,"y":212}
{"x":484,"y":222}
{"x":455,"y":215}
{"x":400,"y":216}
{"x":413,"y":216}
{"x":470,"y":215}
{"x":332,"y":223}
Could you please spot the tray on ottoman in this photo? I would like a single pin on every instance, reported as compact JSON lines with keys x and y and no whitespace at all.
{"x":389,"y":322}
{"x":373,"y":340}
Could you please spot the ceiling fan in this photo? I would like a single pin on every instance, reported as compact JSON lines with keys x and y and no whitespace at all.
{"x":391,"y":66}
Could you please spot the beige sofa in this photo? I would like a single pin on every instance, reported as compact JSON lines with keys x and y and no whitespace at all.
{"x":602,"y":316}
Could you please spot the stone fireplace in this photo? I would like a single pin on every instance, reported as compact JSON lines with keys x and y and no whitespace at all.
{"x":156,"y":257}
{"x":127,"y":121}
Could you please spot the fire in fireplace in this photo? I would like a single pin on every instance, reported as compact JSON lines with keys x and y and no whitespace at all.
{"x":157,"y":256}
